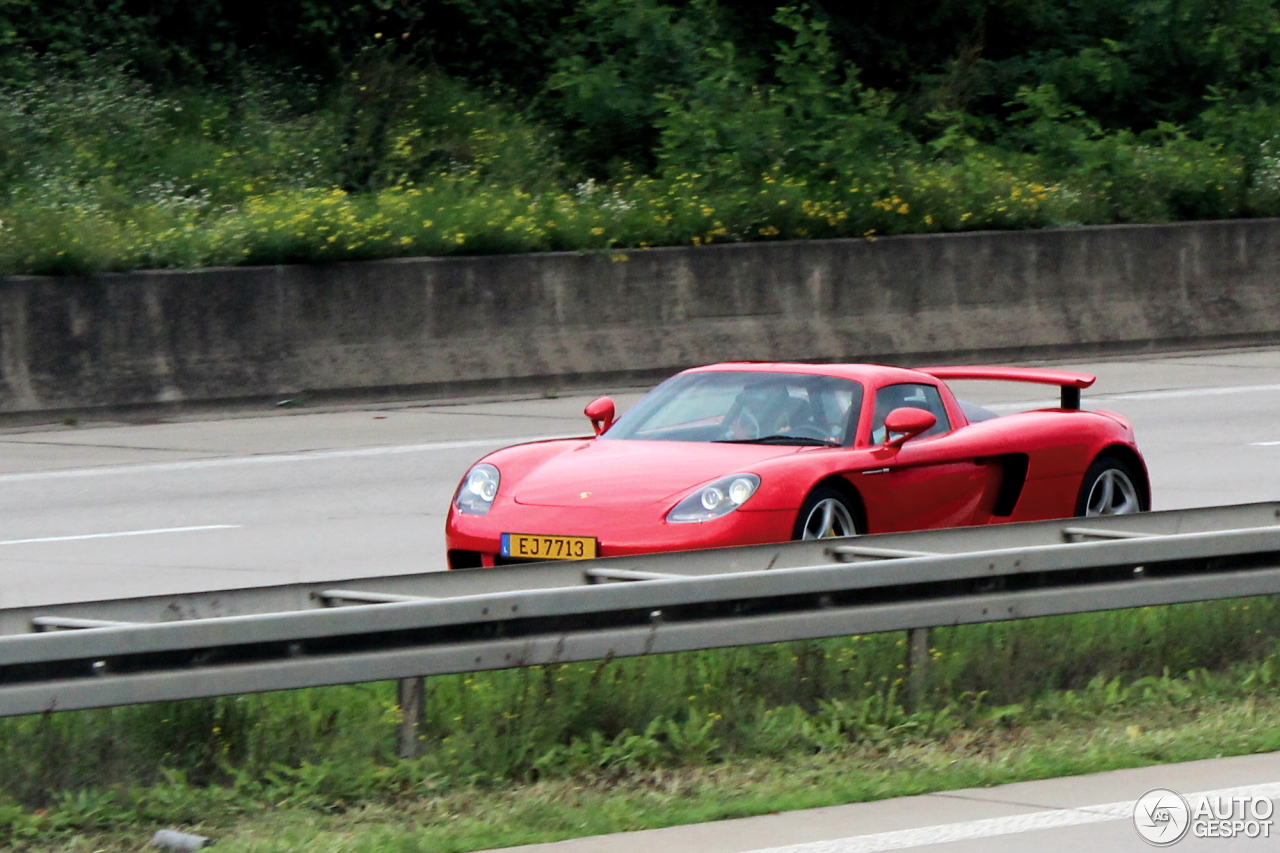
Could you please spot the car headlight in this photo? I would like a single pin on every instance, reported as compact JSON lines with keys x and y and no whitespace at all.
{"x":478,"y":489}
{"x":715,"y":499}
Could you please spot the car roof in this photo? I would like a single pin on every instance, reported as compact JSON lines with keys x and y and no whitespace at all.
{"x":869,"y":374}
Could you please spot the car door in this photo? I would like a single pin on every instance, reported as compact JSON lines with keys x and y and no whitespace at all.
{"x":930,"y":481}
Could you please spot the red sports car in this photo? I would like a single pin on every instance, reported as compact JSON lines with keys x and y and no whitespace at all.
{"x":748,"y":453}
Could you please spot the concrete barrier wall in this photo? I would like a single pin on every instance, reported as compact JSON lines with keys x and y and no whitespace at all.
{"x":459,"y":325}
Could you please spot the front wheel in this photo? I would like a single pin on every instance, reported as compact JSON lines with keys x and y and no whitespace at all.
{"x":1108,"y":489}
{"x":825,"y":514}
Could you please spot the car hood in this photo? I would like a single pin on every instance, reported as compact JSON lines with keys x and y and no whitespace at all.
{"x":623,"y":473}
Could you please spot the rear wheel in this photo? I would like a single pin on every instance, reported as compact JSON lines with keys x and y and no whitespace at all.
{"x":826,"y":513}
{"x":1108,"y":489}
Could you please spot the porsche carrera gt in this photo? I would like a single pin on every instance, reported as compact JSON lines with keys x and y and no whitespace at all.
{"x":747,"y":453}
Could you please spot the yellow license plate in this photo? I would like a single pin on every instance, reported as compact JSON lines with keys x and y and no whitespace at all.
{"x":529,"y":546}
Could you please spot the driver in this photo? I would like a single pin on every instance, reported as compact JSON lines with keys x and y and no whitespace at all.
{"x":757,"y":411}
{"x":766,"y":409}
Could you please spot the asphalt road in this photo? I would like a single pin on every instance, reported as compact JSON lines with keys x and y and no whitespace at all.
{"x":109,"y":510}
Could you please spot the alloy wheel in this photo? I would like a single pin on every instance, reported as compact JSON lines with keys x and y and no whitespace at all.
{"x":829,"y":518}
{"x":1113,"y":493}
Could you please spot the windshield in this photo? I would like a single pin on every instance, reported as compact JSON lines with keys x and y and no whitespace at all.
{"x":746,"y":407}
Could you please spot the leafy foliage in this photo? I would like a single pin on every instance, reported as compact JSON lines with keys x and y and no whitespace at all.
{"x":136,"y":135}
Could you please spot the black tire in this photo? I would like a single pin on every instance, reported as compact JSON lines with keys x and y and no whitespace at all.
{"x":1109,"y":487}
{"x":842,"y":519}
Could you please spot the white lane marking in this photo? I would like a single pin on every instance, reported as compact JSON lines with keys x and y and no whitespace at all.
{"x":268,"y":459}
{"x":1140,"y":395}
{"x":1189,"y":392}
{"x":1021,"y":406}
{"x":944,"y":833}
{"x":1264,"y":444}
{"x":119,"y":533}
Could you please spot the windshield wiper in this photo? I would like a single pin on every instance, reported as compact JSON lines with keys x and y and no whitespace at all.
{"x":798,"y":440}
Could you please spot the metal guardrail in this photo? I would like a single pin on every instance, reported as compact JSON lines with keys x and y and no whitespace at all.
{"x":108,"y":653}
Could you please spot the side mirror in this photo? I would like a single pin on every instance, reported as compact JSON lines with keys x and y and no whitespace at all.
{"x":906,"y":423}
{"x":600,"y":413}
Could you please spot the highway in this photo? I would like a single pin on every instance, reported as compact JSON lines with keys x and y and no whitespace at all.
{"x":115,"y":509}
{"x":110,"y":509}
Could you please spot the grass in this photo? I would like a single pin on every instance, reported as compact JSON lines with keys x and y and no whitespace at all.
{"x":1181,"y":721}
{"x":548,"y":752}
{"x":480,"y":819}
{"x":468,"y":215}
{"x":465,"y":215}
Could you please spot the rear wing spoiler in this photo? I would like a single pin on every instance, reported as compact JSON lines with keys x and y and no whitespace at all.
{"x":1070,"y":383}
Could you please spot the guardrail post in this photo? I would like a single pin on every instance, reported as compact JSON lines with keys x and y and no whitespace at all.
{"x":917,"y":665}
{"x":411,"y":695}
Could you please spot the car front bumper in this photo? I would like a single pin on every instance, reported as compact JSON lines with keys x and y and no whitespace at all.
{"x":475,"y":540}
